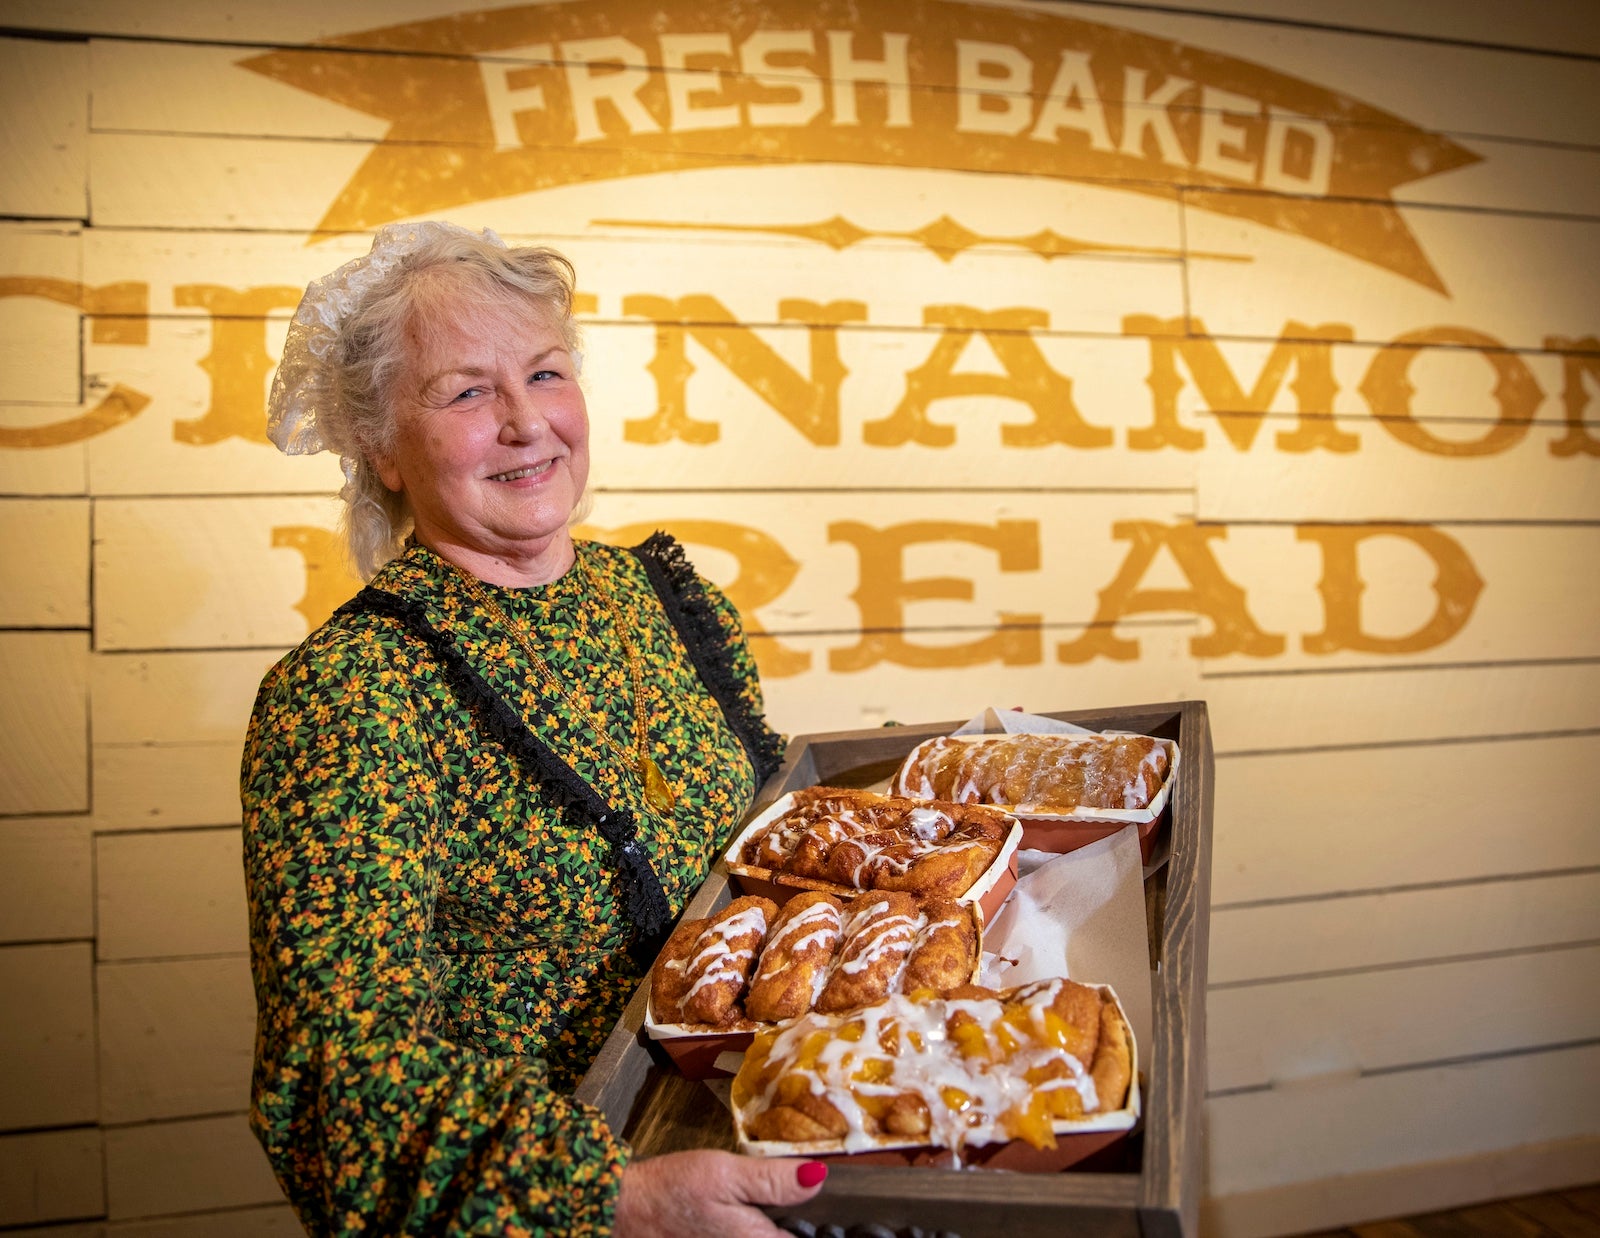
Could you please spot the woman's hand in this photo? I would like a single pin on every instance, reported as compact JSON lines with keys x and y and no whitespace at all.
{"x":694,"y":1194}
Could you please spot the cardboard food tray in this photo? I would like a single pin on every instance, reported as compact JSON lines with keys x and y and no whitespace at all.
{"x":698,"y":1050}
{"x":989,"y":890}
{"x":1075,"y":1138}
{"x":1063,"y":832}
{"x":1146,"y":1182}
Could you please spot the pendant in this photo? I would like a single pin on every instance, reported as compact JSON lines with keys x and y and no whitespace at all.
{"x":656,"y":791}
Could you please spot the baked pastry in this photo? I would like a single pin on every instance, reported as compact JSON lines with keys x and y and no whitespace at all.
{"x":976,"y":1066}
{"x":706,"y":964}
{"x":818,"y":953}
{"x":794,"y":961}
{"x":1037,"y":773}
{"x":858,"y":840}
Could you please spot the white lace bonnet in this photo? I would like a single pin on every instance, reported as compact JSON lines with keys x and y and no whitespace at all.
{"x":302,"y":412}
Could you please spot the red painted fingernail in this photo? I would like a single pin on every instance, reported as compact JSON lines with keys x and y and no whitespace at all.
{"x":811,"y":1174}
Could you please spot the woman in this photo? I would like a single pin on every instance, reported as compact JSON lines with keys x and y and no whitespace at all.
{"x":477,"y":798}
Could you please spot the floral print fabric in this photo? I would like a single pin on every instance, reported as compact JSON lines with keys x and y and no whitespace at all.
{"x":436,"y":940}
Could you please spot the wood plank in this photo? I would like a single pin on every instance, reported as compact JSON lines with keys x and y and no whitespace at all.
{"x":1516,"y":304}
{"x":46,"y":879}
{"x":1294,"y":1032}
{"x":1537,"y":599}
{"x":50,"y":1176}
{"x":1304,"y":937}
{"x":1390,"y":481}
{"x":165,"y":698}
{"x":185,"y":1167}
{"x":1563,"y":26}
{"x":49,"y":587}
{"x":40,"y":470}
{"x":1389,"y":1120}
{"x":269,"y":1222}
{"x":42,"y":264}
{"x":814,"y":698}
{"x":141,"y":914}
{"x":44,"y":96}
{"x":186,"y":573}
{"x":1402,"y":1189}
{"x":1267,"y":712}
{"x":44,"y":695}
{"x":47,"y":1037}
{"x":126,"y":102}
{"x":1327,"y":822}
{"x":168,"y":786}
{"x":177,"y":1038}
{"x":1455,"y":89}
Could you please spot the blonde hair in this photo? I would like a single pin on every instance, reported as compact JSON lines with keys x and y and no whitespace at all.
{"x":369,"y":355}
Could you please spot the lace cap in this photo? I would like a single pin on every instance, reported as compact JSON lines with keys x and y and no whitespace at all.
{"x":302,"y":413}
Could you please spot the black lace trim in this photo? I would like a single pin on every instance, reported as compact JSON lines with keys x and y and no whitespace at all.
{"x":644,"y":903}
{"x":684,"y":598}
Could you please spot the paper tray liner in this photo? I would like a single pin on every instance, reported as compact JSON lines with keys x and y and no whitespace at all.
{"x":1076,"y":1139}
{"x":1063,"y":832}
{"x":989,"y":890}
{"x":694,"y":1047}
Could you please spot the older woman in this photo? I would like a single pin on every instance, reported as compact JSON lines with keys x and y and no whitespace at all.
{"x":476,"y":799}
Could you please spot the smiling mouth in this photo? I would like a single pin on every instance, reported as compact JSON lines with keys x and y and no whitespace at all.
{"x":518,"y":474}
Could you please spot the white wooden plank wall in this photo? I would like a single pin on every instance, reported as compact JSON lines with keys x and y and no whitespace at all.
{"x":951,"y":428}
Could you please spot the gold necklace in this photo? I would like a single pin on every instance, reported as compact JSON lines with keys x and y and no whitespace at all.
{"x":656,"y":791}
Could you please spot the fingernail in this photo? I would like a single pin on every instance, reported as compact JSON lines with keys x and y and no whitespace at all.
{"x":811,"y":1174}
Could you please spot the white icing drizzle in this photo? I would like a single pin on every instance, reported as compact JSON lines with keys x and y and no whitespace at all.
{"x":970,"y":1099}
{"x":714,"y":960}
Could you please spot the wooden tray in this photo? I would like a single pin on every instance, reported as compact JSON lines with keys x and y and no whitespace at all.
{"x":1144,"y":1186}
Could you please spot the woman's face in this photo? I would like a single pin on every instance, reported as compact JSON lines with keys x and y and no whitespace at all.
{"x":491,"y":443}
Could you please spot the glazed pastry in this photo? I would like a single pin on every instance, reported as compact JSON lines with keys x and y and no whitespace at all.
{"x":1037,"y":773}
{"x":722,"y":958}
{"x":862,"y":841}
{"x":668,"y":982}
{"x":942,"y":957}
{"x":794,"y":961}
{"x":879,"y":933}
{"x":974,"y":1067}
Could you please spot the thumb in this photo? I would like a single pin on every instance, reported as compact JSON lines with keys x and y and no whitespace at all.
{"x":780,"y":1182}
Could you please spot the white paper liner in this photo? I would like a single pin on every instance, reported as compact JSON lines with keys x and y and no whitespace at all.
{"x":1115,"y":1120}
{"x":975,"y":892}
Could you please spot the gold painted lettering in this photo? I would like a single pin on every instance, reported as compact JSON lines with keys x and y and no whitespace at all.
{"x":766,"y":569}
{"x":1074,"y":103}
{"x":1224,"y":146}
{"x":1211,"y":594}
{"x":994,"y":87}
{"x":755,"y":61}
{"x":1147,"y":113}
{"x":883,"y":593}
{"x":1239,"y":413}
{"x":893,"y":72}
{"x":1456,"y":587}
{"x":122,"y":404}
{"x":238,"y":363}
{"x":684,"y":83}
{"x":329,"y":583}
{"x":1028,"y":378}
{"x":508,"y":93}
{"x":119,"y":313}
{"x":622,"y":75}
{"x":811,"y":405}
{"x":1387,"y":389}
{"x":1580,"y":359}
{"x":1302,"y":142}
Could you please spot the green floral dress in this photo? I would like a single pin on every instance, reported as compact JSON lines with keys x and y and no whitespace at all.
{"x":438,"y":939}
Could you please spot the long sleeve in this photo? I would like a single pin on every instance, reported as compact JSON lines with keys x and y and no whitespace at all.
{"x":374,"y":1118}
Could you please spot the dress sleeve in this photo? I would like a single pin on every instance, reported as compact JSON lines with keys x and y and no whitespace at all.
{"x":372,"y":1117}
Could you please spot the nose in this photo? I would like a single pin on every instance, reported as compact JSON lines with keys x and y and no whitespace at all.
{"x":522,"y":420}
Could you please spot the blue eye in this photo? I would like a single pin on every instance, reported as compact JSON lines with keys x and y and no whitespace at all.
{"x":469,"y":393}
{"x":540,"y":376}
